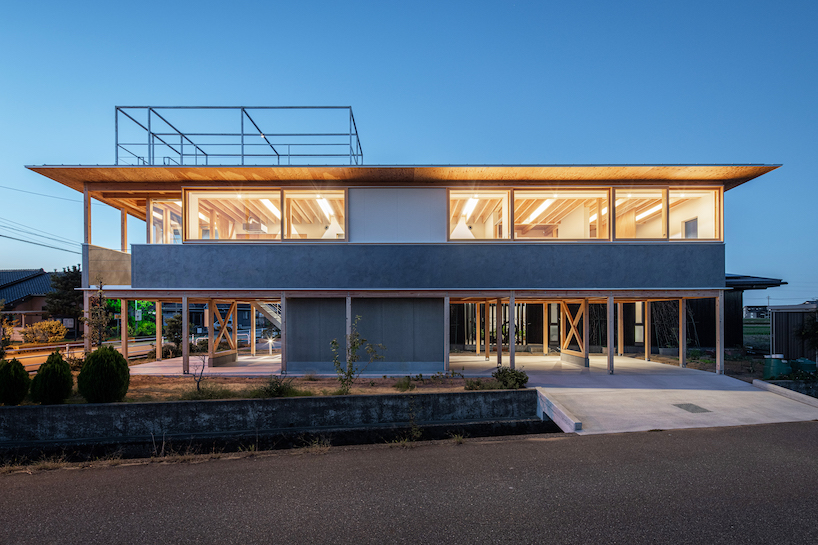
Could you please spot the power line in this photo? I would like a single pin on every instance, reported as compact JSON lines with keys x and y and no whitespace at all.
{"x":16,"y":223}
{"x":23,"y":231}
{"x":45,"y":195}
{"x":38,"y":244}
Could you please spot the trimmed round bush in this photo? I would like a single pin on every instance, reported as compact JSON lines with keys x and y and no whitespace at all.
{"x":104,"y":377}
{"x":14,"y":382}
{"x":53,"y":382}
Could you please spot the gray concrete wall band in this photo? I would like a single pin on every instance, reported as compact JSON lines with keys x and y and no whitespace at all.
{"x":97,"y":423}
{"x":429,"y":266}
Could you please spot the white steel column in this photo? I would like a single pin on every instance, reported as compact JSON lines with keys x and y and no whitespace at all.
{"x":123,"y":326}
{"x":611,"y":319}
{"x":720,"y":333}
{"x":159,"y":321}
{"x":283,"y":338}
{"x":446,"y":333}
{"x":186,"y":336}
{"x":512,"y":331}
{"x":646,"y":330}
{"x":682,"y":333}
{"x":498,"y":331}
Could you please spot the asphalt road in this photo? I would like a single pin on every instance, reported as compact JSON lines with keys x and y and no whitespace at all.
{"x":754,"y":484}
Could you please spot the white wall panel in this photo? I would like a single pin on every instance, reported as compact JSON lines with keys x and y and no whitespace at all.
{"x":397,"y":215}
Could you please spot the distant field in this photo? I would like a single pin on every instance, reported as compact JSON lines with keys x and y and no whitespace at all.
{"x":757,"y":333}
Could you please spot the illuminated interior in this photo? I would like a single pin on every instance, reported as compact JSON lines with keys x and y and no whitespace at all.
{"x":559,"y":214}
{"x":315,"y":215}
{"x":481,"y":215}
{"x":166,"y":222}
{"x":233,"y":215}
{"x":693,"y":214}
{"x":640,"y":213}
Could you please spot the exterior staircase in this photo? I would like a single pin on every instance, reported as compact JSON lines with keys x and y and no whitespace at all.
{"x":272,"y":311}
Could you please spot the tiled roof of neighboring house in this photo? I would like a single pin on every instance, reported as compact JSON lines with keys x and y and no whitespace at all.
{"x":19,"y":284}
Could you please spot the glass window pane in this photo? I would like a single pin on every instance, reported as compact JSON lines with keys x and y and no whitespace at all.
{"x":571,"y":215}
{"x":315,"y":215}
{"x":166,"y":222}
{"x":478,"y":215}
{"x":639,"y":213}
{"x":693,"y":213}
{"x":233,"y":215}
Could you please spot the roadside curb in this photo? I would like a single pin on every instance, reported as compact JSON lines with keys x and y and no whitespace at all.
{"x":785,"y":392}
{"x":554,"y":410}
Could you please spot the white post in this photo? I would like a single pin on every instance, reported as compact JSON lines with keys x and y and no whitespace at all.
{"x":611,"y":317}
{"x":646,"y":328}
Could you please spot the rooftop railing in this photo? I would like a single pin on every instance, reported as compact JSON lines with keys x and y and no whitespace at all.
{"x":236,"y":135}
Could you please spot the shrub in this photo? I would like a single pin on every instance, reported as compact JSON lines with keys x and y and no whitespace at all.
{"x":404,"y":384}
{"x":484,"y":384}
{"x":104,"y":377}
{"x":47,"y":331}
{"x":511,"y":379}
{"x":53,"y":382}
{"x":278,"y":387}
{"x":14,"y":382}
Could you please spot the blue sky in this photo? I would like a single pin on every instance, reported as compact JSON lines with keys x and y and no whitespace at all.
{"x":435,"y":83}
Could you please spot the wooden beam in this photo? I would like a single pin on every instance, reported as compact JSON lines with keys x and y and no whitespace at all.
{"x":252,"y":329}
{"x":611,"y":318}
{"x":486,"y":337}
{"x":208,"y":316}
{"x":586,"y":328}
{"x":546,"y":328}
{"x":620,"y":329}
{"x":477,"y":329}
{"x":148,"y":222}
{"x":512,"y":331}
{"x":498,"y":330}
{"x":123,"y":230}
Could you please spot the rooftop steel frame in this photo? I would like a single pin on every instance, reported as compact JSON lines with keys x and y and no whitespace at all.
{"x":167,"y":145}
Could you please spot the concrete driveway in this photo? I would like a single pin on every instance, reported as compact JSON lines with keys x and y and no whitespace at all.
{"x":644,"y":395}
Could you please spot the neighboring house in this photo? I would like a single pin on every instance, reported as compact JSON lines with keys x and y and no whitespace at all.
{"x":24,"y":292}
{"x":756,"y":312}
{"x":314,"y":247}
{"x":786,"y":321}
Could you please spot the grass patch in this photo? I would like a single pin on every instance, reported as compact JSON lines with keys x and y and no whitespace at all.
{"x":484,"y":384}
{"x":404,"y":384}
{"x":278,"y":387}
{"x":209,"y":391}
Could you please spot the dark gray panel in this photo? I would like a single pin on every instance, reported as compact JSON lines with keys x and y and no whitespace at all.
{"x":410,"y":329}
{"x":429,"y":266}
{"x":312,"y":324}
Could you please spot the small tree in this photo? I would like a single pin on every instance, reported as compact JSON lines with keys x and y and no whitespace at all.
{"x":348,"y":371}
{"x":47,"y":331}
{"x":6,"y":329}
{"x":104,"y":377}
{"x":173,"y":330}
{"x":65,"y":301}
{"x":14,"y":382}
{"x":53,"y":382}
{"x":99,"y":316}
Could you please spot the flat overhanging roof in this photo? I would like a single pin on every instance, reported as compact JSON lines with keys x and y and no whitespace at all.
{"x":166,"y":177}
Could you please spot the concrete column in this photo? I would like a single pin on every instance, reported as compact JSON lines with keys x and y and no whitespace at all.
{"x":446,"y":333}
{"x":186,"y":336}
{"x":123,"y":230}
{"x":209,"y":316}
{"x":86,"y":328}
{"x":123,"y":326}
{"x":620,"y":329}
{"x":498,"y":328}
{"x":720,"y":333}
{"x":682,"y":333}
{"x":610,"y":309}
{"x":486,"y":337}
{"x":283,"y":333}
{"x":512,"y":331}
{"x":159,"y":323}
{"x":252,"y":329}
{"x":647,"y":330}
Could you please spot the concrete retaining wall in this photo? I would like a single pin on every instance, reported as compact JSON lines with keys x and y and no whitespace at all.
{"x":133,"y":422}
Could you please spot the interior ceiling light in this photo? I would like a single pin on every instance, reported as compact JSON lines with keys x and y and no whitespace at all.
{"x":648,"y":212}
{"x":271,"y":207}
{"x":179,"y":203}
{"x":325,"y":207}
{"x":540,"y":209}
{"x":470,"y":204}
